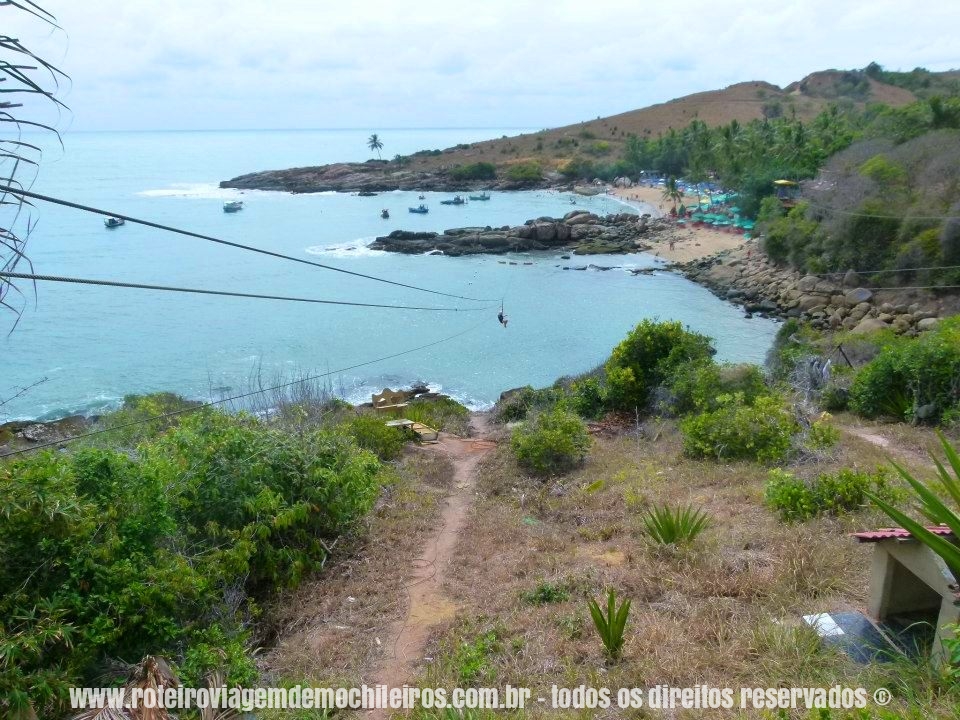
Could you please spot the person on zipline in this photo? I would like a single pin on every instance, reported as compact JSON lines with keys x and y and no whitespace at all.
{"x":502,"y":318}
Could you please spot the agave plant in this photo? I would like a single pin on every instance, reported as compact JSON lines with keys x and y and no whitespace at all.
{"x":675,"y":525}
{"x":932,"y":507}
{"x":610,"y":626}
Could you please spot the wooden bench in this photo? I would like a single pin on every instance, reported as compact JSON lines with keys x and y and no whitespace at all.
{"x":423,"y":433}
{"x":389,"y":400}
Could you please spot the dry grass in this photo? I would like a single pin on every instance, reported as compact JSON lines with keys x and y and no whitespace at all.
{"x":725,"y":611}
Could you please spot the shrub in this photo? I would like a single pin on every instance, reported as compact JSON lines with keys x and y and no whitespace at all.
{"x":474,"y":171}
{"x":696,"y":386}
{"x":108,"y":556}
{"x":440,"y":413}
{"x":675,"y":526}
{"x":734,"y":430}
{"x":552,"y":441}
{"x":545,"y":594}
{"x":529,"y":171}
{"x":845,"y":491}
{"x":517,"y":404}
{"x":910,"y":374}
{"x":588,"y":397}
{"x":822,"y":435}
{"x":371,"y":433}
{"x":647,"y":357}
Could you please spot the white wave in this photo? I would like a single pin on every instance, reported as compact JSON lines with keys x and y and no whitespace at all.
{"x":354,"y":249}
{"x":199,"y":191}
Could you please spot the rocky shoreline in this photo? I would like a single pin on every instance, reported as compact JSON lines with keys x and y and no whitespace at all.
{"x":375,"y":176}
{"x":579,"y":232}
{"x":833,"y":303}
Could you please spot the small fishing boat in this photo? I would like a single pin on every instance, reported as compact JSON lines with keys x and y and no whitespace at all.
{"x":112,"y":222}
{"x":420,"y":197}
{"x":482,"y":196}
{"x":232,"y":206}
{"x":457,"y":200}
{"x":422,"y":210}
{"x":385,"y":214}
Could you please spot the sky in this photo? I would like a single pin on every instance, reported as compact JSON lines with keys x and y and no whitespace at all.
{"x":252,"y":64}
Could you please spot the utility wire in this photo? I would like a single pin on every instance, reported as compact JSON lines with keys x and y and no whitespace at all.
{"x":251,"y":248}
{"x":851,"y":213}
{"x":877,"y":272}
{"x":227,"y":293}
{"x":241,"y":396}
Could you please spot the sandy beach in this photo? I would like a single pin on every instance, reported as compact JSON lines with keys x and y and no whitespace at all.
{"x":689,"y":243}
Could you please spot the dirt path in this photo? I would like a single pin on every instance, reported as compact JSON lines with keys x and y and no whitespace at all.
{"x":429,"y":604}
{"x":895,"y":447}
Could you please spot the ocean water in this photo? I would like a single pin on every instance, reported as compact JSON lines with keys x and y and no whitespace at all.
{"x":91,"y":346}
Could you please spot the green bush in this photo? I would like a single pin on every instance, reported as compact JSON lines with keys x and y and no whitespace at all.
{"x":545,"y":594}
{"x":474,"y":171}
{"x":529,"y":171}
{"x":647,"y":357}
{"x":845,"y":491}
{"x":761,"y":431}
{"x":371,"y":433}
{"x":520,"y":402}
{"x":440,"y":413}
{"x":109,"y":556}
{"x":697,"y":385}
{"x":588,"y":397}
{"x":552,"y":441}
{"x":910,"y":374}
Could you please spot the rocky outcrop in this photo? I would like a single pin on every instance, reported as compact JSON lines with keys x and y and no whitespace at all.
{"x":827,"y":302}
{"x":579,"y":231}
{"x":370,"y":177}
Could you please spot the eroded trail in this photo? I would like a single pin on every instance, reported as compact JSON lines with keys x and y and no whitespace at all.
{"x":428,"y":602}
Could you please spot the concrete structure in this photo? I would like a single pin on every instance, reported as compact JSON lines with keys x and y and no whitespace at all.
{"x":909,"y":579}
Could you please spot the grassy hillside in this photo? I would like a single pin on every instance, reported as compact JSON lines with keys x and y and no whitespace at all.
{"x":605,"y":138}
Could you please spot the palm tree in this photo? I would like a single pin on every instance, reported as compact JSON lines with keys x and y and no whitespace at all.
{"x":374,"y":144}
{"x":671,"y":192}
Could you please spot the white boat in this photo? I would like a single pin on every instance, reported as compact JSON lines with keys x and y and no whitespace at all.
{"x":112,"y":222}
{"x":233,"y":205}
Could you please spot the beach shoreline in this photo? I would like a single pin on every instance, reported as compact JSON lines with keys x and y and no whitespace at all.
{"x":689,"y":243}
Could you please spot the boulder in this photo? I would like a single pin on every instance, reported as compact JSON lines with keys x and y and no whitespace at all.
{"x":851,"y":279}
{"x":857,"y":296}
{"x":869,"y":325}
{"x":807,"y":283}
{"x":928,"y":323}
{"x":582,"y":219}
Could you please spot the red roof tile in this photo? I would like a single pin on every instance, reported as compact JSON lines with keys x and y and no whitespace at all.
{"x":896,"y":533}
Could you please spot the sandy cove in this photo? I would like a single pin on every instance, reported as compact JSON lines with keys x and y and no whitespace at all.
{"x":690,"y":243}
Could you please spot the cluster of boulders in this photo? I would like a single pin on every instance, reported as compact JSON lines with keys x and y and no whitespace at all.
{"x":832,"y":302}
{"x":580,"y":232}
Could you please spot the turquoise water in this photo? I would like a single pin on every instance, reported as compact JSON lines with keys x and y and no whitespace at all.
{"x":95,"y":345}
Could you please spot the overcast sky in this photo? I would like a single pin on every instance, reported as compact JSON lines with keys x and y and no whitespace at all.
{"x":210,"y":64}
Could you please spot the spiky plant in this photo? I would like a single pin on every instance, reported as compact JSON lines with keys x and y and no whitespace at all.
{"x":931,"y":506}
{"x":675,"y":525}
{"x":610,"y":626}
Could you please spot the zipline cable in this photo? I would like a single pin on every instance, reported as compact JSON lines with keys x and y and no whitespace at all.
{"x":226,"y":293}
{"x":878,"y":272}
{"x":241,"y":396}
{"x":229,"y":243}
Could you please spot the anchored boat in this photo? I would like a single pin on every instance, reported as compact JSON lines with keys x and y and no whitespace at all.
{"x":456,"y":201}
{"x":232,"y":206}
{"x":112,"y":222}
{"x":482,"y":196}
{"x":422,"y":210}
